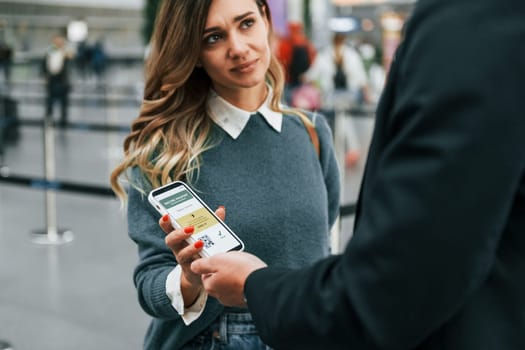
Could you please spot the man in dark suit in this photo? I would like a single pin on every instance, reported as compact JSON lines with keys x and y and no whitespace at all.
{"x":437,"y":259}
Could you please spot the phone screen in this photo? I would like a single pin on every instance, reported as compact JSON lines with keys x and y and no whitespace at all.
{"x":186,"y":209}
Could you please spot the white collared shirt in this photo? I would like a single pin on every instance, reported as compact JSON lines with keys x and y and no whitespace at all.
{"x":232,"y":120}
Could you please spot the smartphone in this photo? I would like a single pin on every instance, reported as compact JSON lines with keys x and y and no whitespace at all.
{"x":185,"y":208}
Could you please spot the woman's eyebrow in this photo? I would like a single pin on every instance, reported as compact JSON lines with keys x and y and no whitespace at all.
{"x":235,"y":19}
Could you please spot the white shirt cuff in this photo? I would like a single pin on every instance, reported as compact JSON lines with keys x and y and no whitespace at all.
{"x":174,"y":293}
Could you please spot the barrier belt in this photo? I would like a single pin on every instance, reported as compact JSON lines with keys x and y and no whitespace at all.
{"x":43,"y":184}
{"x":79,"y":125}
{"x":83,"y":101}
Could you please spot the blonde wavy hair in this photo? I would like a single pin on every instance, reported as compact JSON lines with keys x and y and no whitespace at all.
{"x":172,"y":129}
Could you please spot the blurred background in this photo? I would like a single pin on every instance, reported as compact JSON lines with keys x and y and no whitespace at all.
{"x":65,"y":259}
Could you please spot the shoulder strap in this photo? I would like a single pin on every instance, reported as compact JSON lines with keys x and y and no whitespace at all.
{"x":309,"y":125}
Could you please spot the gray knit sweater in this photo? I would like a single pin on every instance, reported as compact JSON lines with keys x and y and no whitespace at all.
{"x":281,"y":200}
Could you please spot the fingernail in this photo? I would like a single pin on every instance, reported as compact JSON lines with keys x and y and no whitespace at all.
{"x":188,"y":229}
{"x":199,"y":244}
{"x":222,"y":207}
{"x":165,"y":218}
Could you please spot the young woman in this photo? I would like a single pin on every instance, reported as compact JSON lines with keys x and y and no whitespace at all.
{"x":211,"y":116}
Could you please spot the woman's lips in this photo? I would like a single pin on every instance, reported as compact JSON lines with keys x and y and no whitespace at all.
{"x":245,"y":68}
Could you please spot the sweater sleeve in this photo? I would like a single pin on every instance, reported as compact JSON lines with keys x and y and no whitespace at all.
{"x":156,"y":261}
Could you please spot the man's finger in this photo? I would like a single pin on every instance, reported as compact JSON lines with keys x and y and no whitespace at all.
{"x":202,"y":266}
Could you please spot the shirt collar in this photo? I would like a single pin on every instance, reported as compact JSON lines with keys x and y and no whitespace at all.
{"x":233,"y":120}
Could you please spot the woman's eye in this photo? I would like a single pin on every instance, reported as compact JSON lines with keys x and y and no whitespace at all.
{"x":212,"y":39}
{"x":247,"y":23}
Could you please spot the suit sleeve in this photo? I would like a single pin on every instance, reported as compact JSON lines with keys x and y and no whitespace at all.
{"x":444,"y":167}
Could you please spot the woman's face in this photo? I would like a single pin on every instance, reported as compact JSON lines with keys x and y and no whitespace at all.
{"x":235,"y":50}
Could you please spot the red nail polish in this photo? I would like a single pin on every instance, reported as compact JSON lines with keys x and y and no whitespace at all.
{"x":165,"y":218}
{"x":199,"y":244}
{"x":188,"y":229}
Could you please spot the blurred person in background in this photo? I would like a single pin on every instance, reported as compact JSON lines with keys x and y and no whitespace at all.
{"x":83,"y":61}
{"x":373,"y":61}
{"x":212,"y":116}
{"x":296,"y":53}
{"x":338,"y":71}
{"x":99,"y":61}
{"x":6,"y":51}
{"x":55,"y":69}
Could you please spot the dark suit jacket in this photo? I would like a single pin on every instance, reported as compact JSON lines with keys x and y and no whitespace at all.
{"x":437,"y":260}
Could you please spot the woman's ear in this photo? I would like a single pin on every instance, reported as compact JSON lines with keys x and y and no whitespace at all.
{"x":265,"y":16}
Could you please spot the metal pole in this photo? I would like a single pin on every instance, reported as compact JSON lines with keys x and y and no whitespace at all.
{"x":51,"y":234}
{"x":339,"y":105}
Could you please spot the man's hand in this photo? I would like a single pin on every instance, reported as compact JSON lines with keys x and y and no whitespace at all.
{"x":224,"y":275}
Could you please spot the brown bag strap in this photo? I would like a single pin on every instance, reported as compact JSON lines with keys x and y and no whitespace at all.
{"x":312,"y":132}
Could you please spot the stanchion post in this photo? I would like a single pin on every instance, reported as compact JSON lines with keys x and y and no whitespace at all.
{"x":340,"y":104}
{"x":50,"y":234}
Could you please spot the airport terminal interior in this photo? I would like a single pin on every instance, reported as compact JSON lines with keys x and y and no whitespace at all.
{"x":66,"y":261}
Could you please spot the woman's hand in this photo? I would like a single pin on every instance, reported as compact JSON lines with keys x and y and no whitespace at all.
{"x":185,"y":254}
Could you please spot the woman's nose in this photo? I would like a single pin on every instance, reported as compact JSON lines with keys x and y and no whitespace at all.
{"x":238,"y":46}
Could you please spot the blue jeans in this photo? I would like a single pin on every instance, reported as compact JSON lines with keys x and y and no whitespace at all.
{"x":231,"y":331}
